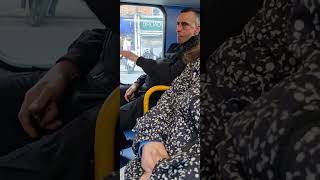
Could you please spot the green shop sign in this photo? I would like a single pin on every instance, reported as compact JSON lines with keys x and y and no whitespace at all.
{"x":151,"y":24}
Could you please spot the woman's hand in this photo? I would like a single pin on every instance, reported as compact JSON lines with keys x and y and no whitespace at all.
{"x":145,"y":176}
{"x":151,"y":154}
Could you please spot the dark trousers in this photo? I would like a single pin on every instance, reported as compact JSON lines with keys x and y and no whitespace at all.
{"x":64,"y":154}
{"x":130,"y":111}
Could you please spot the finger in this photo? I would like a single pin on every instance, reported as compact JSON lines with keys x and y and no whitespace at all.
{"x":26,"y":122}
{"x":133,"y":89}
{"x":148,"y":163}
{"x":156,"y":160}
{"x":132,"y":57}
{"x":53,"y":125}
{"x":132,"y":96}
{"x":124,"y":53}
{"x":129,"y":89}
{"x":145,"y":176}
{"x":41,"y":101}
{"x":164,"y":154}
{"x":126,"y":97}
{"x":51,"y":114}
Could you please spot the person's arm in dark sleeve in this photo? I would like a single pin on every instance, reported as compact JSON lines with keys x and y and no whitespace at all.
{"x":163,"y":72}
{"x":140,"y":81}
{"x":85,"y":51}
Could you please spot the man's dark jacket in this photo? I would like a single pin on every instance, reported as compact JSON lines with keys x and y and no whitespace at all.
{"x":164,"y":71}
{"x":67,"y":153}
{"x":96,"y":52}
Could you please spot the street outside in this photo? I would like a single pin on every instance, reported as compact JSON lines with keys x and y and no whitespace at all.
{"x":129,"y":78}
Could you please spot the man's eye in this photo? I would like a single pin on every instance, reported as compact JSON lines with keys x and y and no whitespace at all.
{"x":184,"y":24}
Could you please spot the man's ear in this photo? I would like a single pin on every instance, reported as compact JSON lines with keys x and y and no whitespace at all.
{"x":197,"y":30}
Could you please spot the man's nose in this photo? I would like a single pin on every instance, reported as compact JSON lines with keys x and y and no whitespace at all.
{"x":179,"y":28}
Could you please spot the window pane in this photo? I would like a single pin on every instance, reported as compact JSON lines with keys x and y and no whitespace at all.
{"x":26,"y":40}
{"x":141,"y":31}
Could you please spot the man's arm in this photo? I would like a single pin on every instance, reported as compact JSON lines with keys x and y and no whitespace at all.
{"x":85,"y":51}
{"x":161,"y":72}
{"x":131,"y":91}
{"x":140,"y":81}
{"x":42,"y":99}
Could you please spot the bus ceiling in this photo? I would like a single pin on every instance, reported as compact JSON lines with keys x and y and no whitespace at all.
{"x":179,"y":3}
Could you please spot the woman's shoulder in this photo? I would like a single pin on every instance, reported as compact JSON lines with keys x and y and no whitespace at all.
{"x":194,"y":65}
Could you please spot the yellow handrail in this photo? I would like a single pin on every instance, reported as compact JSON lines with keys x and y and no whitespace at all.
{"x":149,"y":93}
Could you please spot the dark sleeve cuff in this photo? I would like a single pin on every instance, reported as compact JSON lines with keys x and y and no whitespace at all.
{"x":72,"y":59}
{"x":141,"y":80}
{"x":140,"y":61}
{"x":85,"y":51}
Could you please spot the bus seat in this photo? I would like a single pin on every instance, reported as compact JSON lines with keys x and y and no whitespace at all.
{"x":104,"y":155}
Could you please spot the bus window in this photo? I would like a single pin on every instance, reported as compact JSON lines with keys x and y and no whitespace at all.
{"x":26,"y":42}
{"x":142,"y":32}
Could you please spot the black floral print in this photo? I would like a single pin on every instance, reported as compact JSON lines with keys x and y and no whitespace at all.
{"x":260,"y":97}
{"x":174,"y":121}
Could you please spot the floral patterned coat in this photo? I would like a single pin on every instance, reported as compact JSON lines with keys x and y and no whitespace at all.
{"x":260,"y":98}
{"x":174,"y":121}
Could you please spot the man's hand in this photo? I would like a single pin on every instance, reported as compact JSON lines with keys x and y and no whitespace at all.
{"x":130,"y":92}
{"x":130,"y":55}
{"x":41,"y":100}
{"x":151,"y":154}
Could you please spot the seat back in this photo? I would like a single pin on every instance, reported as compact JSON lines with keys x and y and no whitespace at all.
{"x":146,"y":98}
{"x":105,"y":135}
